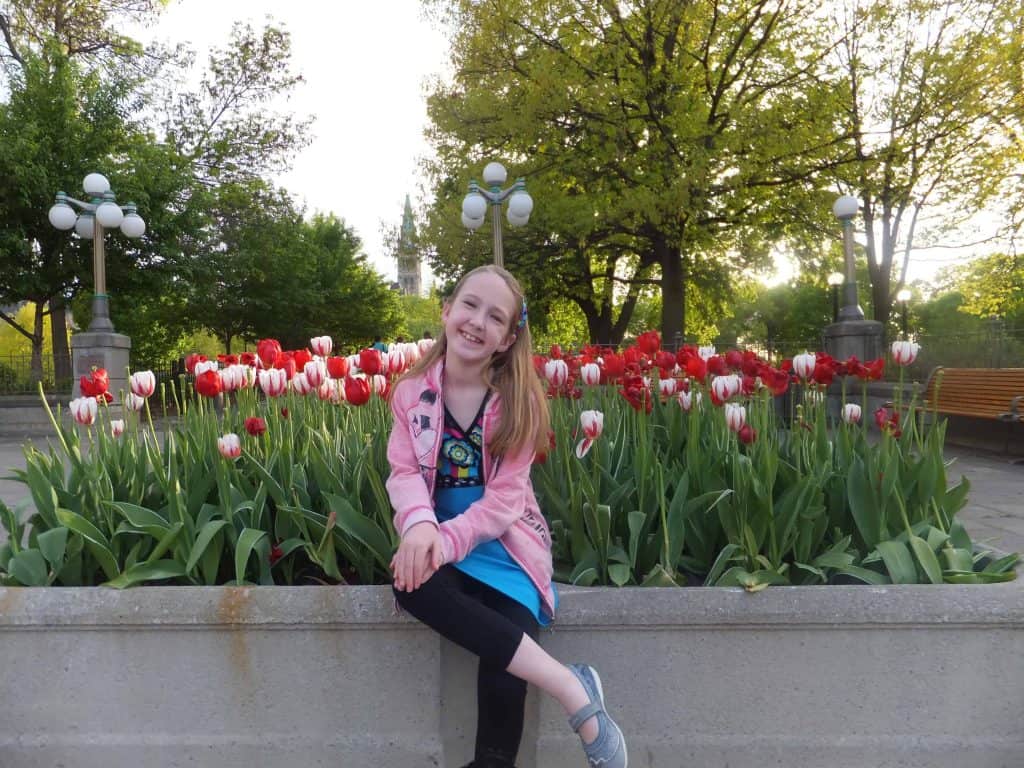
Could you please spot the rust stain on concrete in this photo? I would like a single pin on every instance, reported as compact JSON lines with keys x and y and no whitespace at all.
{"x":10,"y":598}
{"x":231,"y":611}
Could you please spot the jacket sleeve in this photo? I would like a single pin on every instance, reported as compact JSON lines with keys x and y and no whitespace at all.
{"x":502,"y":504}
{"x":406,"y":488}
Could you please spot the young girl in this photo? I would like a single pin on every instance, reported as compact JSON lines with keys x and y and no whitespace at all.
{"x":474,"y":561}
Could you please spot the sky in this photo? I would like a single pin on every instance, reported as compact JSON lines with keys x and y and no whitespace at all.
{"x":365,"y":66}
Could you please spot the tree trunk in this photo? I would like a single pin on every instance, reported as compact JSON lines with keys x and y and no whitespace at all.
{"x":673,"y":289}
{"x":59,"y":342}
{"x":37,"y":343}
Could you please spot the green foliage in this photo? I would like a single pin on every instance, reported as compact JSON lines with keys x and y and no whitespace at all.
{"x":419,"y":315}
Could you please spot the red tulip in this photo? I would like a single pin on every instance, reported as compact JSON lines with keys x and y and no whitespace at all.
{"x":255,"y":426}
{"x":370,"y":362}
{"x":191,"y":360}
{"x":747,"y":434}
{"x":286,"y":363}
{"x":95,"y":384}
{"x":268,"y":350}
{"x":357,"y":390}
{"x":247,"y":358}
{"x":649,"y":343}
{"x":301,"y":357}
{"x":337,"y":367}
{"x":208,"y":384}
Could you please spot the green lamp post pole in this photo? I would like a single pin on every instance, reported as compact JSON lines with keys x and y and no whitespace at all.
{"x":474,"y":205}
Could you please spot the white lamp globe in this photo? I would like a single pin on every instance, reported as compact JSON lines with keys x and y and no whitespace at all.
{"x":495,"y":174}
{"x":903,"y":295}
{"x":520,"y":205}
{"x":133,"y":225}
{"x":517,"y":221}
{"x":109,"y":214}
{"x":84,"y":226}
{"x":95,"y":185}
{"x":470,"y":223}
{"x":474,"y":206}
{"x":62,"y":216}
{"x":845,"y":207}
{"x":836,"y":278}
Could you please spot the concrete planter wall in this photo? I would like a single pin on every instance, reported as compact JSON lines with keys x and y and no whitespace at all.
{"x":321,"y":676}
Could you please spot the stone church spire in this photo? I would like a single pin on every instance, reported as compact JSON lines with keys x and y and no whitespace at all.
{"x":409,"y":267}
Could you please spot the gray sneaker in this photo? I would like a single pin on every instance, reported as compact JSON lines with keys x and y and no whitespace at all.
{"x":608,"y":750}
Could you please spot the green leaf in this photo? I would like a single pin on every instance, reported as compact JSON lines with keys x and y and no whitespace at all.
{"x":865,"y":575}
{"x":165,"y":542}
{"x":96,"y":541}
{"x":618,"y":573}
{"x":361,"y":528}
{"x":149,"y":571}
{"x":53,"y":544}
{"x":898,"y":562}
{"x":142,"y":519}
{"x":28,"y":567}
{"x":659,"y":577}
{"x":206,"y":534}
{"x":926,"y":557}
{"x":728,"y":553}
{"x":246,"y":543}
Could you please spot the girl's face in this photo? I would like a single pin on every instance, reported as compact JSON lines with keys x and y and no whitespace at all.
{"x":477,"y":321}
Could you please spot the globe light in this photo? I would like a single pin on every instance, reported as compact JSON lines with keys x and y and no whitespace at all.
{"x":470,"y":223}
{"x":474,"y":206}
{"x":903,"y":295}
{"x":62,"y":215}
{"x":845,"y":207}
{"x":520,"y":205}
{"x":85,"y":225}
{"x":835,"y":278}
{"x":109,"y":213}
{"x":96,"y":185}
{"x":495,"y":174}
{"x":517,"y":221}
{"x":133,"y":225}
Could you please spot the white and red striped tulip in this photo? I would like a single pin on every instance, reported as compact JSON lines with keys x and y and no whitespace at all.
{"x":230,"y":446}
{"x":328,"y":391}
{"x":143,"y":383}
{"x":233,"y":378}
{"x":735,"y":416}
{"x":379,"y":383}
{"x":592,"y":424}
{"x":83,"y":409}
{"x":668,"y":387}
{"x":425,"y":345}
{"x":905,"y":352}
{"x":133,"y":402}
{"x":803,"y":365}
{"x":556,"y":372}
{"x":591,"y":374}
{"x":353,"y":364}
{"x":321,"y":345}
{"x":117,"y":427}
{"x":393,"y":361}
{"x":206,"y":365}
{"x":316,"y":372}
{"x":851,"y":413}
{"x":273,"y":381}
{"x":301,"y":384}
{"x":706,"y":353}
{"x":687,"y":400}
{"x":727,"y":386}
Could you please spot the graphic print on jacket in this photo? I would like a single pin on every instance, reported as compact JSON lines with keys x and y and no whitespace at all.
{"x":424,"y":433}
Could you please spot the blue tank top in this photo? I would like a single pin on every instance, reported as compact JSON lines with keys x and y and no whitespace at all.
{"x":460,"y":482}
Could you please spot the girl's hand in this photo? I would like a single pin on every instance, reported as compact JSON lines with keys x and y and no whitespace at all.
{"x":418,"y":557}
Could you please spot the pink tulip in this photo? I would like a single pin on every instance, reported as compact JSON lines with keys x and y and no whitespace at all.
{"x":83,"y":409}
{"x":273,"y":381}
{"x":143,"y":383}
{"x":230,"y":446}
{"x":851,"y":413}
{"x":803,"y":365}
{"x":556,"y":372}
{"x":592,"y":424}
{"x":321,"y":345}
{"x":591,"y":374}
{"x":735,"y":416}
{"x":905,"y":352}
{"x":117,"y":427}
{"x":316,"y":372}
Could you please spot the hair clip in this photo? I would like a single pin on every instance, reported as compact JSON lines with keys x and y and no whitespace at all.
{"x":522,"y":316}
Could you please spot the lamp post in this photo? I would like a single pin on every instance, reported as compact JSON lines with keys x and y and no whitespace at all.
{"x":96,"y":216}
{"x":903,"y":297}
{"x":474,"y":205}
{"x":845,"y":208}
{"x":99,"y":346}
{"x":835,"y":279}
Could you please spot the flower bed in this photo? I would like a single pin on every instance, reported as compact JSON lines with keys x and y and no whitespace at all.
{"x":665,"y":469}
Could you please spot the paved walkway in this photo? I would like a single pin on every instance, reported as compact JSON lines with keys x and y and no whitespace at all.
{"x":994,"y":514}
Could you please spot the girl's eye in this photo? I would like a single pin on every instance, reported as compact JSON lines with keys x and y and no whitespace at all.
{"x":469,"y":303}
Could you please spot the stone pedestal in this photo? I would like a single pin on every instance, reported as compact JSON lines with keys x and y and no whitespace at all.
{"x":863,"y":338}
{"x":102,"y":349}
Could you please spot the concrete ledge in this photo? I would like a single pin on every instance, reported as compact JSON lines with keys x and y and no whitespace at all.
{"x":910,"y":676}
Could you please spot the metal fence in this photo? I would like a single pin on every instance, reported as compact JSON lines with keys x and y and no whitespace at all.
{"x":16,"y":375}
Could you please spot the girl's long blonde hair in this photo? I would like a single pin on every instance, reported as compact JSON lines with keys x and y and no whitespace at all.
{"x":525,"y":420}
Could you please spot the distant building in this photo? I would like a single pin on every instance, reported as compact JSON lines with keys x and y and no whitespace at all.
{"x":408,"y":257}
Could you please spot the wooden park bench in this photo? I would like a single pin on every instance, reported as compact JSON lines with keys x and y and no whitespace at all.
{"x":981,"y":393}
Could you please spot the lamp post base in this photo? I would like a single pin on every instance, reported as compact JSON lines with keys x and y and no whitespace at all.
{"x":863,"y":338}
{"x":101,"y":349}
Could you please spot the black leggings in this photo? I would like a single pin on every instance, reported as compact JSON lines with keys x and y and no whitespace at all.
{"x":490,"y":625}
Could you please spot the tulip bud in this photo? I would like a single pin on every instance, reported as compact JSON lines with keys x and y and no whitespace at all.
{"x":592,"y":423}
{"x":143,"y":383}
{"x":255,"y":426}
{"x":905,"y":352}
{"x":117,"y":427}
{"x":803,"y":365}
{"x":133,"y":402}
{"x":735,"y":416}
{"x":83,"y":409}
{"x":321,"y":345}
{"x":230,"y":446}
{"x":851,"y":413}
{"x":747,"y":434}
{"x":591,"y":374}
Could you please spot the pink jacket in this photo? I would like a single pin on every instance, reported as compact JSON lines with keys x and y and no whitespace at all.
{"x":508,"y":510}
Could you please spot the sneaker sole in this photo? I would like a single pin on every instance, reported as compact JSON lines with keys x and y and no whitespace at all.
{"x":600,"y":693}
